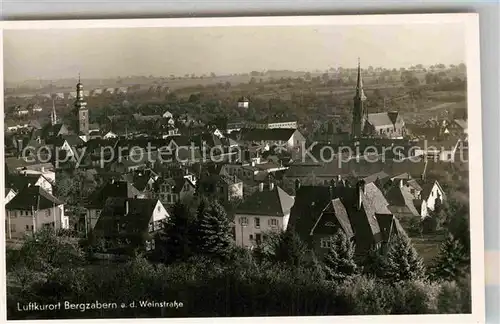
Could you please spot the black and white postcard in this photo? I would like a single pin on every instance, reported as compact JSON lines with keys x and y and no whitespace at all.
{"x":317,"y":168}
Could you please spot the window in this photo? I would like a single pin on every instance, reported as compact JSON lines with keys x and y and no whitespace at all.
{"x":48,"y":212}
{"x":159,"y":208}
{"x":151,"y":227}
{"x":13,"y":228}
{"x":325,"y":243}
{"x":244,"y":221}
{"x":273,"y":222}
{"x":251,"y":237}
{"x":258,"y":238}
{"x":28,"y":227}
{"x":257,"y":222}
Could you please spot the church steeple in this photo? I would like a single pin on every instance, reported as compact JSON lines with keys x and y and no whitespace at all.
{"x":82,"y":111}
{"x":359,"y":112}
{"x":53,"y":114}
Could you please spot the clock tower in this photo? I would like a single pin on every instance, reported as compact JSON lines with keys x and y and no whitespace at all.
{"x":82,"y":112}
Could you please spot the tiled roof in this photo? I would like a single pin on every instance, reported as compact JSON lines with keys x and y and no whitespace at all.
{"x":361,"y":168}
{"x":277,"y":134}
{"x":380,"y":119}
{"x":33,"y":197}
{"x":334,"y":215}
{"x":275,"y":202}
{"x":115,"y":189}
{"x":414,"y":184}
{"x":310,"y":201}
{"x":373,"y":177}
{"x":114,"y":217}
{"x":401,"y":197}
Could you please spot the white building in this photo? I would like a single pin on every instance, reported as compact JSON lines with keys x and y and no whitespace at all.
{"x":267,"y":210}
{"x":33,"y":209}
{"x":243,"y":103}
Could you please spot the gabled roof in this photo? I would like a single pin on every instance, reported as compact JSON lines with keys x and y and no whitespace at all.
{"x":374,"y":203}
{"x":427,"y":188}
{"x":462,"y":123}
{"x":335,"y":214}
{"x":389,"y":227}
{"x":380,"y":119}
{"x":20,"y":181}
{"x":401,"y":197}
{"x":177,"y":183}
{"x":115,"y":218}
{"x":116,"y":189}
{"x":275,"y":202}
{"x":33,"y":198}
{"x":373,"y":177}
{"x":414,"y":184}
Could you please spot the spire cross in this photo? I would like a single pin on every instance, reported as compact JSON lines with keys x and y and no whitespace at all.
{"x":359,"y":62}
{"x":78,"y":77}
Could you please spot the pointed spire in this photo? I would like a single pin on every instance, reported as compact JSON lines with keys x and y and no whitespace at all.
{"x":360,"y":94}
{"x":79,"y":77}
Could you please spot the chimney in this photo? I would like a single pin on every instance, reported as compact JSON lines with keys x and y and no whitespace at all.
{"x":126,"y":207}
{"x":297,"y":185}
{"x":330,"y":190}
{"x":271,"y":186}
{"x":401,"y":185}
{"x":261,"y":186}
{"x":360,"y":190}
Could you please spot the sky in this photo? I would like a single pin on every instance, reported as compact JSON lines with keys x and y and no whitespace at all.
{"x":104,"y":53}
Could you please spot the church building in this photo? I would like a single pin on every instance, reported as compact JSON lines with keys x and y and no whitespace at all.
{"x":389,"y":124}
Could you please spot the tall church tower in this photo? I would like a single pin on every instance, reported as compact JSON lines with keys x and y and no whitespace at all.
{"x":82,"y":111}
{"x":358,"y":113}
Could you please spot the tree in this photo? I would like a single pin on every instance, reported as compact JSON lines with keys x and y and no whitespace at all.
{"x":402,"y":262}
{"x":452,"y":261}
{"x":176,"y":243}
{"x":213,"y":231}
{"x":339,"y":261}
{"x":45,"y":251}
{"x":288,"y":248}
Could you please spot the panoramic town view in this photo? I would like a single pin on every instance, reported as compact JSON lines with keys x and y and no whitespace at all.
{"x":263,"y":171}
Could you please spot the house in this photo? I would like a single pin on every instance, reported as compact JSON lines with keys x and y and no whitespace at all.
{"x":243,"y":103}
{"x":97,"y":200}
{"x":142,"y":180}
{"x":423,"y":133}
{"x":126,"y":217}
{"x":171,"y":190}
{"x":361,"y":212}
{"x":20,"y":111}
{"x":462,"y":123}
{"x":109,"y":135}
{"x":35,"y":108}
{"x":385,"y":125}
{"x":20,"y":181}
{"x":432,"y":196}
{"x":323,"y":173}
{"x":32,"y":209}
{"x":50,"y":130}
{"x":286,"y":138}
{"x":402,"y":202}
{"x":282,"y":124}
{"x":332,"y":218}
{"x":224,"y":187}
{"x":168,"y":114}
{"x":266,"y":210}
{"x":65,"y":143}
